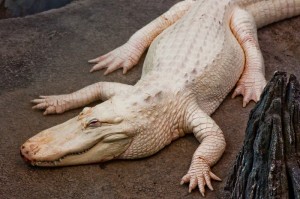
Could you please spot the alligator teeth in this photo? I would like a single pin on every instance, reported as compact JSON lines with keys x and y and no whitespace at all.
{"x":55,"y":162}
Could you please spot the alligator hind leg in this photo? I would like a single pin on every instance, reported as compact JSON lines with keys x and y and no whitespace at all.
{"x":56,"y":104}
{"x":128,"y":55}
{"x":252,"y":80}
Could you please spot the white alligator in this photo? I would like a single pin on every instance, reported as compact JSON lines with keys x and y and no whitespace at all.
{"x":199,"y":50}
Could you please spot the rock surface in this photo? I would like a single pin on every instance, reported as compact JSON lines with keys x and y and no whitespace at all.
{"x":47,"y":54}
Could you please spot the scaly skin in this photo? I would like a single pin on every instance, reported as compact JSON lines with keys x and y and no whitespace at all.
{"x":199,"y":50}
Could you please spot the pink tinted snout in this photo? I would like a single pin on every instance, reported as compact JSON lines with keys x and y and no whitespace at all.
{"x":29,"y":151}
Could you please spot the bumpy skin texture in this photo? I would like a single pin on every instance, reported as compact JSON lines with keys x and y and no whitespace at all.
{"x":199,"y":50}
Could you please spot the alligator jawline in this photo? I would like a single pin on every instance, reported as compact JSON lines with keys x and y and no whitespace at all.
{"x":37,"y":163}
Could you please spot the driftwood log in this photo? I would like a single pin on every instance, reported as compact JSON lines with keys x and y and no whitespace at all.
{"x":268,"y":165}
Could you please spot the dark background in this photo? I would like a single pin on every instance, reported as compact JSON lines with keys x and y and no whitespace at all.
{"x":47,"y":54}
{"x":19,"y":8}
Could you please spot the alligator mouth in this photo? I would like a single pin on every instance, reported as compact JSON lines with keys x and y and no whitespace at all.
{"x":57,"y":161}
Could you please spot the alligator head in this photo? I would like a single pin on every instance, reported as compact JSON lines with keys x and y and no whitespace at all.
{"x":124,"y":127}
{"x":97,"y":134}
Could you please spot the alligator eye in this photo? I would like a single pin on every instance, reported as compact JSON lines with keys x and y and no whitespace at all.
{"x":94,"y":123}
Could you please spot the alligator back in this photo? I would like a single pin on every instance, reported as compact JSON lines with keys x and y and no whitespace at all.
{"x":199,"y":52}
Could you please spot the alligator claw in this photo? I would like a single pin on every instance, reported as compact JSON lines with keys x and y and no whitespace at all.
{"x":55,"y":104}
{"x":199,"y":174}
{"x":250,"y":87}
{"x":123,"y":57}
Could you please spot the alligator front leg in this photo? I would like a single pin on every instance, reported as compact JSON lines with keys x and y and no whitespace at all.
{"x":252,"y":80}
{"x":128,"y":55}
{"x":208,"y":153}
{"x":56,"y":104}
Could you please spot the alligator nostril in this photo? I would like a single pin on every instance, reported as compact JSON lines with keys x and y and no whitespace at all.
{"x":24,"y":154}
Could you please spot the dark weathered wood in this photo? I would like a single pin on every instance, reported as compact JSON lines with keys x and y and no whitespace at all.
{"x":268,"y":164}
{"x":292,"y":135}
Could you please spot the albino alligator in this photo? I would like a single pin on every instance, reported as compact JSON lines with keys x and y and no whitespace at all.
{"x":199,"y":50}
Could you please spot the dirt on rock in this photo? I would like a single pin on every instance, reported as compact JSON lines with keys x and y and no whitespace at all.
{"x":47,"y":54}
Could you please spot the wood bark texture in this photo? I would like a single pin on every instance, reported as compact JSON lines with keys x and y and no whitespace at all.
{"x":268,"y":165}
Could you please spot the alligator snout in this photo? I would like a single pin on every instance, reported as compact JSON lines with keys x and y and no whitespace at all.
{"x":24,"y":157}
{"x":29,"y":150}
{"x":24,"y":152}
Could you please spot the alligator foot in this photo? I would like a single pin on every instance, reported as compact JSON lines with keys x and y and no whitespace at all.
{"x":125,"y":56}
{"x":250,"y":86}
{"x":54,"y":104}
{"x":199,"y":174}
